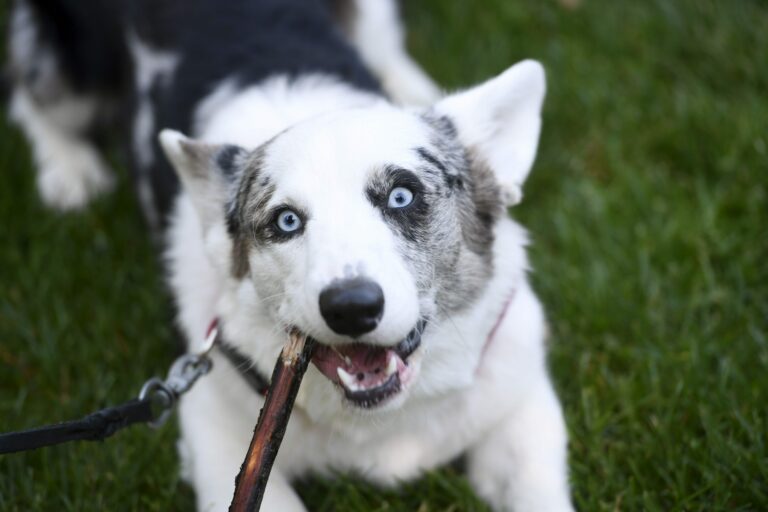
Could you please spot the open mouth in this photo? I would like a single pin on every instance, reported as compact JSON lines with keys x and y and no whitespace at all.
{"x":368,"y":374}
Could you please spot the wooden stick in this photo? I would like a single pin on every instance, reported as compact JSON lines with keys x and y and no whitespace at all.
{"x":273,"y":419}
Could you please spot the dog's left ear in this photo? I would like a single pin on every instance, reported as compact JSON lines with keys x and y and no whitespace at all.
{"x":208,"y":172}
{"x":500,"y":120}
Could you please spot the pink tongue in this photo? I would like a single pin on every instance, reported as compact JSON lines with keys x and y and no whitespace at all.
{"x":366,"y":363}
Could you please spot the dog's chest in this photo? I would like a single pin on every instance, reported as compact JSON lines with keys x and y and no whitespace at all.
{"x":389,"y":449}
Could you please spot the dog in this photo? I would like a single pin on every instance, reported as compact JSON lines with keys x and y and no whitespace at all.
{"x":324,"y":184}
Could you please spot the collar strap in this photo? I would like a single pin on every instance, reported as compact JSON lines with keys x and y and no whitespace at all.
{"x":260,"y":384}
{"x":242,"y":363}
{"x":495,"y":328}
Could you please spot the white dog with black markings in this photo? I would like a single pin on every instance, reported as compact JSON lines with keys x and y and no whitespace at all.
{"x":325,"y":187}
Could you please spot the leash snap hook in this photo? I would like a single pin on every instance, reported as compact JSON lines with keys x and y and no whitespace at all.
{"x":163,"y":395}
{"x":161,"y":398}
{"x":184,"y":372}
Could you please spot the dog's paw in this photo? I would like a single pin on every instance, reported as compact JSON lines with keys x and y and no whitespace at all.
{"x":69,"y":184}
{"x":496,"y":489}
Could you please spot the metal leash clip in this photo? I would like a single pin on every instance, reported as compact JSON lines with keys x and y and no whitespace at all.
{"x":184,"y":372}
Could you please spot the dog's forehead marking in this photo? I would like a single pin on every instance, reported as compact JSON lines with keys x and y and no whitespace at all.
{"x":341,"y":151}
{"x":323,"y":169}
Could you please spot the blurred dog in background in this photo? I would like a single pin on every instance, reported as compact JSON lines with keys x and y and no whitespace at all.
{"x":327,"y":187}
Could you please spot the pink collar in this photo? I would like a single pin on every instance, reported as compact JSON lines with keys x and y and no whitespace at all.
{"x":496,"y":325}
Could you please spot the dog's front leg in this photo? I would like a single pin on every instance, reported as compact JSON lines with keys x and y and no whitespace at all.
{"x":213,"y":470}
{"x":215,"y":494}
{"x":520,"y":465}
{"x":215,"y":436}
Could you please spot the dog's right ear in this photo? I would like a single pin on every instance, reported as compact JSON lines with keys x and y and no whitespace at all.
{"x":500,"y":121}
{"x":208,"y":172}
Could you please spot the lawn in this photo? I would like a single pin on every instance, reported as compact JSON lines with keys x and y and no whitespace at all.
{"x":648,"y":208}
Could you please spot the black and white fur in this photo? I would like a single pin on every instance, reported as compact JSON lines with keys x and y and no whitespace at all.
{"x":314,"y":108}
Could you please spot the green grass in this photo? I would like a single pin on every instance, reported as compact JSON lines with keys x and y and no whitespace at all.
{"x":649,"y":217}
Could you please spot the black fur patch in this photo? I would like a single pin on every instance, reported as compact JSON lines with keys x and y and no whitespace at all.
{"x":240,"y":265}
{"x":442,"y":125}
{"x":487,"y":208}
{"x":431,"y":159}
{"x":453,"y":179}
{"x":344,"y":11}
{"x":410,"y":221}
{"x":248,"y":182}
{"x":467,"y":174}
{"x":228,"y":160}
{"x":451,"y":248}
{"x":238,"y":223}
{"x":249,"y":221}
{"x":87,"y":40}
{"x":244,"y":40}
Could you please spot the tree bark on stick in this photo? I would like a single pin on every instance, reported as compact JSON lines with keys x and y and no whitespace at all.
{"x":273,"y":419}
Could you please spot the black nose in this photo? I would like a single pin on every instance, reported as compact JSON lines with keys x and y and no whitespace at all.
{"x":352,"y":306}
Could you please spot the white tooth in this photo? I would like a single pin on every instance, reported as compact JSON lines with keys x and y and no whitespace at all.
{"x":348,"y":380}
{"x":392,"y":365}
{"x":346,"y":358}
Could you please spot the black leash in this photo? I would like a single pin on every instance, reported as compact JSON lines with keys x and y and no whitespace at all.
{"x":153,"y":406}
{"x":94,"y":427}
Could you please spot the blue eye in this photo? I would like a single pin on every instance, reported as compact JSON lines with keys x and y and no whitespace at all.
{"x":288,"y":221}
{"x":399,"y":197}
